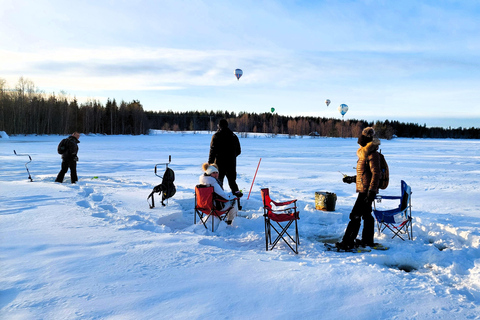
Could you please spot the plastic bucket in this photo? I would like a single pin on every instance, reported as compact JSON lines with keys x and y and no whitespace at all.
{"x":325,"y":201}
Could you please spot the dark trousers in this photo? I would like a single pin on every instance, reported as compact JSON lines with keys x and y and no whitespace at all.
{"x":361,"y":210}
{"x":68,"y":164}
{"x":231,"y":175}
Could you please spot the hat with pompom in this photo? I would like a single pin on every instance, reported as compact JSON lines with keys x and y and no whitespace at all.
{"x":209,"y":169}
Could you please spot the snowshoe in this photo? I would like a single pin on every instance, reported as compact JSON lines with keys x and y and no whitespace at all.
{"x":375,"y":245}
{"x":340,"y":248}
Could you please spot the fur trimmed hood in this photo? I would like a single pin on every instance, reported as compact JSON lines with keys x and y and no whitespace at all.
{"x":372,"y":146}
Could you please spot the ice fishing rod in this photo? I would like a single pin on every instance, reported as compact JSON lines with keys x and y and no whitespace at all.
{"x":254,"y":178}
{"x":346,"y":175}
{"x":26,"y":167}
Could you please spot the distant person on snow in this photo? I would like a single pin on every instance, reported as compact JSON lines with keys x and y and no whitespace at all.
{"x":210,"y":178}
{"x":224,"y":150}
{"x":367,"y":180}
{"x":70,"y":158}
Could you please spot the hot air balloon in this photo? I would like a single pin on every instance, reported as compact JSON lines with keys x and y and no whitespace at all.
{"x":327,"y":102}
{"x":272,"y":110}
{"x":343,"y":108}
{"x":238,"y":73}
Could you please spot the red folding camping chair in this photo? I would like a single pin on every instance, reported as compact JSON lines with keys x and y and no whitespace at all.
{"x":207,"y":205}
{"x":397,"y":220}
{"x":280,"y":215}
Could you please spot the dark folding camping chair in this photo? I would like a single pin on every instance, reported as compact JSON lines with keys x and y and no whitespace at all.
{"x":208,"y":204}
{"x":280,"y":215}
{"x":398,"y":220}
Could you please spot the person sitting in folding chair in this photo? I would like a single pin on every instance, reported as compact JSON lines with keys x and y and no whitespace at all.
{"x":367,"y":181}
{"x":210,"y":178}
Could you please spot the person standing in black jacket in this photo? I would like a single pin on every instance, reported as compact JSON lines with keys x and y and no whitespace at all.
{"x":70,"y":158}
{"x":224,"y":150}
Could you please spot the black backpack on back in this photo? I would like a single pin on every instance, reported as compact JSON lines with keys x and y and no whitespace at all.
{"x":62,"y":146}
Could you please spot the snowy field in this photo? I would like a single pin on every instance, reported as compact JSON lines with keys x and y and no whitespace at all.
{"x":95,"y":250}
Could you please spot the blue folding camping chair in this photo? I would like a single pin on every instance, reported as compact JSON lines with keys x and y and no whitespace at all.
{"x":398,"y":220}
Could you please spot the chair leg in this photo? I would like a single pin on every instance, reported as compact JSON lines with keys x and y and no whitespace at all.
{"x":297,"y":238}
{"x":411,"y":229}
{"x":397,"y":234}
{"x":267,"y":233}
{"x":283,"y":233}
{"x":379,"y":227}
{"x":200,"y":217}
{"x":404,"y":228}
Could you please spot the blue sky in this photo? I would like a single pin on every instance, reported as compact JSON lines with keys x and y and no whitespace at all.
{"x":413,"y":61}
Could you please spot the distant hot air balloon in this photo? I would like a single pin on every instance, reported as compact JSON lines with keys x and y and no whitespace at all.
{"x":343,"y":108}
{"x":327,"y":102}
{"x":272,"y":110}
{"x":238,"y":73}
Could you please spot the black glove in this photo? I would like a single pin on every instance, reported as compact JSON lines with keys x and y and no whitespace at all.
{"x":370,"y":196}
{"x":238,"y":194}
{"x":349,"y":179}
{"x":75,"y":158}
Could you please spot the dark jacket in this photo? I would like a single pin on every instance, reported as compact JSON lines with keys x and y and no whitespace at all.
{"x":224,"y":148}
{"x":71,"y":150}
{"x":368,"y":167}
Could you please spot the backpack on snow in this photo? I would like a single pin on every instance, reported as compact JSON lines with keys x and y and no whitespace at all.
{"x":62,"y":146}
{"x":384,"y":173}
{"x":166,"y":188}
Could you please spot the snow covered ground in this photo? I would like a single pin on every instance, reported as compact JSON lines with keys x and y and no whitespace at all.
{"x":95,"y":250}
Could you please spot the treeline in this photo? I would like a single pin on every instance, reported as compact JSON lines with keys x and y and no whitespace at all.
{"x":26,"y":110}
{"x":257,"y":123}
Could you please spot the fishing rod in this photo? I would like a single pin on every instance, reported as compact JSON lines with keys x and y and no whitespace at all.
{"x":26,"y":167}
{"x":254,"y":178}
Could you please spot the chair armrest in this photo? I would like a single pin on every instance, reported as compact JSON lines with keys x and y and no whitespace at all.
{"x":279,"y":204}
{"x":216,"y":197}
{"x":388,"y":197}
{"x":279,"y":217}
{"x":282,"y":211}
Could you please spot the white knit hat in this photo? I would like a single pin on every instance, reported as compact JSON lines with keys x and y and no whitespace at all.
{"x":210,"y":170}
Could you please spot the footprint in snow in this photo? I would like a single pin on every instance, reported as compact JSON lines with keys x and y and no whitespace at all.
{"x":84,"y":204}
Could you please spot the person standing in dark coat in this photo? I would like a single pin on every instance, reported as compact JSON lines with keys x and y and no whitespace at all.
{"x":224,"y":150}
{"x":70,"y":158}
{"x":367,"y":181}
